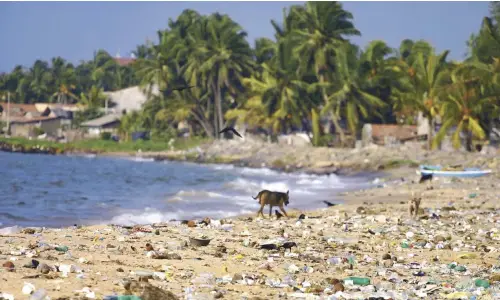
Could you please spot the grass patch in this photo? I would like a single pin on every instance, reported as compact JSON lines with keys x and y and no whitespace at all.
{"x":395,"y":163}
{"x":278,"y":163}
{"x":221,"y":160}
{"x":99,"y":145}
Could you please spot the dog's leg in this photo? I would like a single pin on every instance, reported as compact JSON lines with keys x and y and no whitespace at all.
{"x":417,"y":207}
{"x":410,"y":210}
{"x":260,"y":212}
{"x":283,"y":210}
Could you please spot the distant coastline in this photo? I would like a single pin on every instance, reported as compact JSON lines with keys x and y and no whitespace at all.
{"x":305,"y":159}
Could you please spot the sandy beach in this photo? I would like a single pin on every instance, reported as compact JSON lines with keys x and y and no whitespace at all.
{"x":370,"y":236}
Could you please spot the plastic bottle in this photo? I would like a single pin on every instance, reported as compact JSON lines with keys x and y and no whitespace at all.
{"x":482,"y":283}
{"x":123,"y":297}
{"x":359,"y":280}
{"x":461,"y":269}
{"x":39,"y":294}
{"x":62,"y":248}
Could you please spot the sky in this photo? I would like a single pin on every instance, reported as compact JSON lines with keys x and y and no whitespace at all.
{"x":74,"y":30}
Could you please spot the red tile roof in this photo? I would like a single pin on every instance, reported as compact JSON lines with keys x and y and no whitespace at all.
{"x":400,"y":132}
{"x":124,"y":61}
{"x":18,"y":109}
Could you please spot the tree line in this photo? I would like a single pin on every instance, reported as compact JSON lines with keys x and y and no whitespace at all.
{"x":309,"y":72}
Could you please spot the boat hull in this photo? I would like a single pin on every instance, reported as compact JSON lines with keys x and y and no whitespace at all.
{"x":467,"y":174}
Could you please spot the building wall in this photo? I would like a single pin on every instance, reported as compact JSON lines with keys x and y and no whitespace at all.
{"x":51,"y":127}
{"x":23,"y":129}
{"x":96,"y":131}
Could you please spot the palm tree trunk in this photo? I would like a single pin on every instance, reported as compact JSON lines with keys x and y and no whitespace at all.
{"x":204,"y":123}
{"x":468,"y":141}
{"x":215,"y":90}
{"x":430,"y":132}
{"x":338,"y":129}
{"x":220,"y":116}
{"x":335,"y":121}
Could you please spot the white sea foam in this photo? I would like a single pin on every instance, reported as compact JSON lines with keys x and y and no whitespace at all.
{"x":141,"y":159}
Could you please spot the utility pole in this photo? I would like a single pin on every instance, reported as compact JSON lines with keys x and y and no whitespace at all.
{"x":8,"y":113}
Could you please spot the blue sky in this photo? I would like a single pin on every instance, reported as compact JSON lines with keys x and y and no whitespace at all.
{"x":73,"y":30}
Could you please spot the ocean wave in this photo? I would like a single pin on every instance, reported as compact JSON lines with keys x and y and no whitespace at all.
{"x":198,"y":194}
{"x":222,"y":167}
{"x":141,"y":159}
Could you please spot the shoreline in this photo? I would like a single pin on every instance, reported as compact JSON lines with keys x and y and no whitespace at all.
{"x":370,"y":227}
{"x":288,"y":158}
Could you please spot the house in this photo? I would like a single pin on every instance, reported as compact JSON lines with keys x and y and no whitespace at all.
{"x":123,"y":61}
{"x":107,"y":123}
{"x":66,"y":107}
{"x":385,"y":134}
{"x":16,"y":110}
{"x":25,"y":126}
{"x":130,"y":99}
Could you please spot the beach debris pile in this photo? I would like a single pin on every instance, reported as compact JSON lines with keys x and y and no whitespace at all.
{"x":347,"y":251}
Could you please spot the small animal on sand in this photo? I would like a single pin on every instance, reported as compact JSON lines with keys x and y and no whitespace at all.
{"x":414,"y":204}
{"x":425,"y":177}
{"x":230,"y":129}
{"x":289,"y":245}
{"x":278,"y":215}
{"x":273,"y":199}
{"x":329,"y":204}
{"x":269,"y":247}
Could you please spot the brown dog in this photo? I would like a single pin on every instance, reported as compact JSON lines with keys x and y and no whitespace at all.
{"x":414,"y":204}
{"x":273,"y":199}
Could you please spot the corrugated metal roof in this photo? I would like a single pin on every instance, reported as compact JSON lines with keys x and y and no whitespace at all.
{"x":101,"y":121}
{"x":32,"y":120}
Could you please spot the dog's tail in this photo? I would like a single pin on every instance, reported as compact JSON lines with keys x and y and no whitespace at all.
{"x":257,"y":197}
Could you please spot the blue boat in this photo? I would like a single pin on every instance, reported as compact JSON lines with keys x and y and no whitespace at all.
{"x":437,"y":171}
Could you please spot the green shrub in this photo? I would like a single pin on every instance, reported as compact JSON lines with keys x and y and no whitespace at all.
{"x":106,"y":136}
{"x":38,"y":131}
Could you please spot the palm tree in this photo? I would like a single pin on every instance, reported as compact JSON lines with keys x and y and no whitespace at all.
{"x":225,"y":58}
{"x":39,"y":81}
{"x":63,"y":77}
{"x":352,"y":95}
{"x":103,"y":70}
{"x":432,"y":75}
{"x":283,"y":95}
{"x":158,"y":69}
{"x":325,"y":27}
{"x":94,"y":98}
{"x":464,"y":102}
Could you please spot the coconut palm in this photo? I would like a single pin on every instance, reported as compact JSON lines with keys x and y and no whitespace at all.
{"x":156,"y":70}
{"x":463,"y":104}
{"x":94,"y":98}
{"x":282,"y":94}
{"x":431,"y":75}
{"x":324,"y":27}
{"x":39,"y":80}
{"x":63,"y":78}
{"x":222,"y":57}
{"x":352,"y":95}
{"x":103,"y":70}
